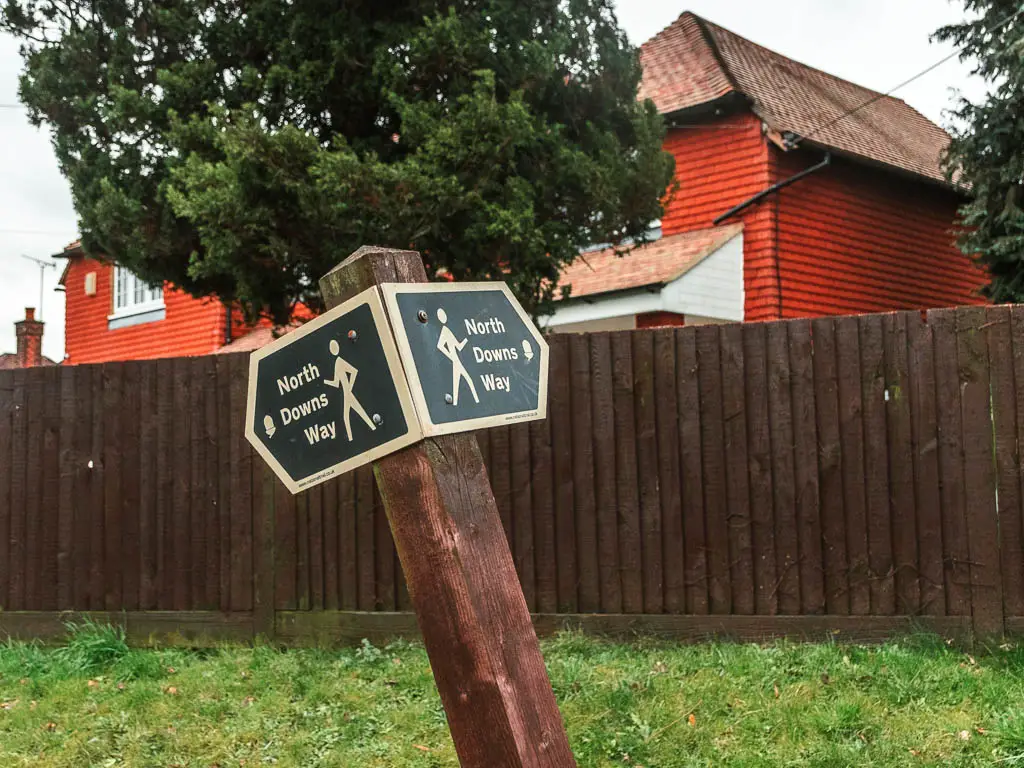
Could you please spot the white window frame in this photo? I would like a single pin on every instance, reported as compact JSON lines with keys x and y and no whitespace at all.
{"x":132,"y":296}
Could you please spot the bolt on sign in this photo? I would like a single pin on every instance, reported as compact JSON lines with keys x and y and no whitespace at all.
{"x":344,"y":390}
{"x":330,"y":396}
{"x":473,"y":356}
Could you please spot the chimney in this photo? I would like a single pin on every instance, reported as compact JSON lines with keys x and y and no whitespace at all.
{"x":30,"y":340}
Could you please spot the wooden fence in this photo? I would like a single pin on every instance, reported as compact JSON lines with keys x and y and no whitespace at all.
{"x":800,"y":477}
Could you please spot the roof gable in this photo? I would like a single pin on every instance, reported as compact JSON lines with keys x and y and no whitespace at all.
{"x":655,"y":263}
{"x":694,"y":62}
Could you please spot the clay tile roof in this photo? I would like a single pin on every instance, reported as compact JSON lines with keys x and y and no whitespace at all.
{"x":256,"y":339}
{"x":694,"y":62}
{"x":656,"y":263}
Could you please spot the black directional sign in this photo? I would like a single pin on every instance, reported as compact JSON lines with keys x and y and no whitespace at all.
{"x":330,"y":396}
{"x":472,"y":355}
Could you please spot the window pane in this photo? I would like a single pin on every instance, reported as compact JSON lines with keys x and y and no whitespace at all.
{"x":120,"y":295}
{"x":139,"y":290}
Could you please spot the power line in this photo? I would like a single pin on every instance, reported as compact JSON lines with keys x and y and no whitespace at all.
{"x":906,"y":82}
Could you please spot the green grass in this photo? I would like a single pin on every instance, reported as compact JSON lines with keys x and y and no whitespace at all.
{"x":917,"y":702}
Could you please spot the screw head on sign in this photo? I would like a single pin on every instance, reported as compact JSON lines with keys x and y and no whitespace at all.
{"x":378,"y":419}
{"x":352,"y":335}
{"x":422,"y":315}
{"x":448,"y":399}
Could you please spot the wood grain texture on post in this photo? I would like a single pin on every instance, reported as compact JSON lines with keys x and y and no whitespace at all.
{"x":462,"y":581}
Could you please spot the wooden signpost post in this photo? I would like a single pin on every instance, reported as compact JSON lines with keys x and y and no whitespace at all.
{"x":474,"y":619}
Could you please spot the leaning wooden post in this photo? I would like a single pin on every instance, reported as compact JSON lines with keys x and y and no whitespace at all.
{"x":474,"y":619}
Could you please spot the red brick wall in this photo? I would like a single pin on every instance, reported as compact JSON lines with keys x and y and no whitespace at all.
{"x":855,"y":239}
{"x":718,"y":165}
{"x":191,"y":326}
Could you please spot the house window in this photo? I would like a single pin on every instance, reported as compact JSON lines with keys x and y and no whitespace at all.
{"x":132,"y":295}
{"x":135,"y":301}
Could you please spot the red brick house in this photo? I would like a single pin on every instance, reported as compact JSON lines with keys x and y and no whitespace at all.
{"x":800,"y":194}
{"x":860,"y":219}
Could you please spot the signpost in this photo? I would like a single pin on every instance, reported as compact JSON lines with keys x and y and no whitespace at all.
{"x":330,"y":396}
{"x":473,"y":357}
{"x":477,"y":349}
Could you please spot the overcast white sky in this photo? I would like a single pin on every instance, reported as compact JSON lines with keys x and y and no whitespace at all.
{"x":876,"y":43}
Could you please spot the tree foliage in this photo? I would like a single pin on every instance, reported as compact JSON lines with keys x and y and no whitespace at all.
{"x":987,"y":151}
{"x":243,"y":148}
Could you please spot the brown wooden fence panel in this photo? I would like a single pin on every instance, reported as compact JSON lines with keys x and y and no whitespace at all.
{"x":852,"y":468}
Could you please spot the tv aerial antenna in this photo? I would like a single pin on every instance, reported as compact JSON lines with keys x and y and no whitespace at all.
{"x":44,"y":265}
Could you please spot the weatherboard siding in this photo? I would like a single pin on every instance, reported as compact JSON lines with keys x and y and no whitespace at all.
{"x":718,"y":165}
{"x":190,"y":326}
{"x":853,"y":239}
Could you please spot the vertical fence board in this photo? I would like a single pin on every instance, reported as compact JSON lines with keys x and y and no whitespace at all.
{"x":197,"y":486}
{"x":19,"y":465}
{"x":365,"y":534}
{"x":543,"y":515}
{"x":6,"y":471}
{"x":830,"y":468}
{"x":501,"y":477}
{"x":130,"y":494}
{"x":51,"y":481}
{"x":902,"y":513}
{"x":225,"y":404}
{"x":316,"y":547}
{"x":302,"y":553}
{"x":113,"y":376}
{"x":180,"y":524}
{"x":81,"y":486}
{"x":315,"y":512}
{"x":921,"y":370}
{"x":241,"y":488}
{"x":737,"y":470}
{"x":805,"y":468}
{"x":211,"y":487}
{"x":851,"y":432}
{"x":264,"y":595}
{"x":709,"y":375}
{"x":164,"y":555}
{"x":645,"y":410}
{"x":694,"y":543}
{"x":522,"y":514}
{"x":1008,"y":476}
{"x":760,"y":469}
{"x":780,"y":419}
{"x":560,"y":415}
{"x":979,"y":479}
{"x":583,"y":480}
{"x":66,"y":492}
{"x":627,"y":481}
{"x":34,"y":397}
{"x":876,"y":466}
{"x":604,"y":437}
{"x":667,"y":420}
{"x":286,"y":592}
{"x":332,"y":572}
{"x":951,"y":469}
{"x":149,"y":425}
{"x":347,"y":542}
{"x":98,"y":486}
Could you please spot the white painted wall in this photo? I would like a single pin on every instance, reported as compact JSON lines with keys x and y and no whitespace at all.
{"x":710,"y":292}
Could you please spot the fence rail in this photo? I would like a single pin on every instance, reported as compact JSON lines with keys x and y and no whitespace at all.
{"x":748,"y":479}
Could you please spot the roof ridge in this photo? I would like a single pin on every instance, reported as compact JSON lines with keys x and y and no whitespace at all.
{"x":774,"y":52}
{"x":709,"y":39}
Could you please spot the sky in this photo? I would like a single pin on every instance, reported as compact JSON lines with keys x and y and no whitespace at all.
{"x":875,"y":43}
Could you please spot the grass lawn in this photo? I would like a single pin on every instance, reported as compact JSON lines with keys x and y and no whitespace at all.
{"x":917,"y":702}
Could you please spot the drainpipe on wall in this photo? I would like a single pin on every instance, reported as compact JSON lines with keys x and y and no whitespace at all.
{"x":773,"y":188}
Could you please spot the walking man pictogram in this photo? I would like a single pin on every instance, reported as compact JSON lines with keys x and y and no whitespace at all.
{"x":345,"y":378}
{"x":450,"y":348}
